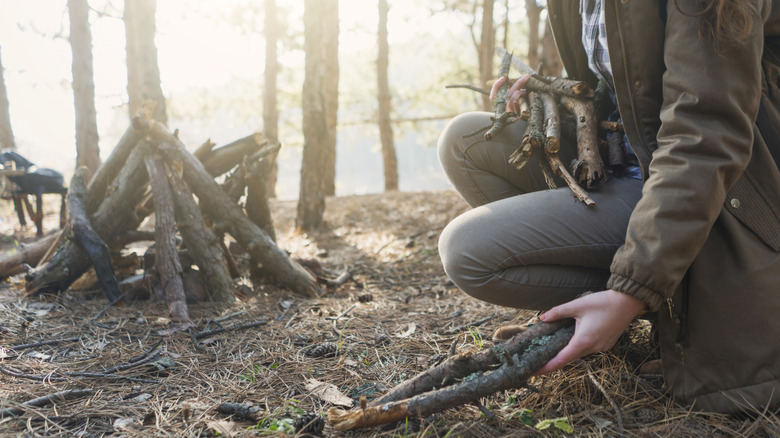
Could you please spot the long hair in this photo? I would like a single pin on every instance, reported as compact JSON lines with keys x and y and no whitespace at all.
{"x":725,"y":23}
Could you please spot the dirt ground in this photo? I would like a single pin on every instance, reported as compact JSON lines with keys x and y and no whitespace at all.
{"x":396,"y":312}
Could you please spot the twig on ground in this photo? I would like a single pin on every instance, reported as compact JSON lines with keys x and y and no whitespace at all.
{"x":609,"y":399}
{"x":47,"y":400}
{"x":42,"y":343}
{"x":478,"y":323}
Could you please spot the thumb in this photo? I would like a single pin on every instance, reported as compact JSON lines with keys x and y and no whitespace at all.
{"x":558,"y":312}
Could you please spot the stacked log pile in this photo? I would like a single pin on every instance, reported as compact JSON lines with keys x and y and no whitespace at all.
{"x":151,"y":171}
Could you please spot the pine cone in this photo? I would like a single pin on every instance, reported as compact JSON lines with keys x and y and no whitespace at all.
{"x":309,"y":423}
{"x":327,"y":349}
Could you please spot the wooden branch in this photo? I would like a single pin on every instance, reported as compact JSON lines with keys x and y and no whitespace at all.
{"x":255,"y":241}
{"x":532,"y":138}
{"x":115,"y":215}
{"x":224,"y":158}
{"x":588,"y":166}
{"x":27,"y":256}
{"x":558,"y":86}
{"x":515,"y":370}
{"x":47,"y":400}
{"x":462,"y":365}
{"x":201,"y":241}
{"x":167,"y":257}
{"x":257,"y":208}
{"x":86,"y":237}
{"x":105,"y":174}
{"x":501,"y":115}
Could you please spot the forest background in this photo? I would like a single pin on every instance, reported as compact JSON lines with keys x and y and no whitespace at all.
{"x":211,"y":67}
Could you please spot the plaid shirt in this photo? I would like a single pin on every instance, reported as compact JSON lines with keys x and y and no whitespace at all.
{"x":594,"y":39}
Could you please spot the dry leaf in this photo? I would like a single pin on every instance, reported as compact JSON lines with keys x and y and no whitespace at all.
{"x":225,"y":428}
{"x":328,"y":392}
{"x":409,"y":331}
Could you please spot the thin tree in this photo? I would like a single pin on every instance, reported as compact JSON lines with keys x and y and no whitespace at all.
{"x":330,"y":90}
{"x":487,"y":44}
{"x":320,"y":104}
{"x":87,"y":151}
{"x":6,"y":133}
{"x":551,"y":59}
{"x":533,"y":10}
{"x":143,"y":72}
{"x":383,"y":90}
{"x":270,"y":110}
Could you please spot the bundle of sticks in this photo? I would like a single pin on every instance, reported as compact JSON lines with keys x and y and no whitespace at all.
{"x":544,"y":100}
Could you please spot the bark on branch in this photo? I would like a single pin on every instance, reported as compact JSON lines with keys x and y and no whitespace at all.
{"x":512,"y":371}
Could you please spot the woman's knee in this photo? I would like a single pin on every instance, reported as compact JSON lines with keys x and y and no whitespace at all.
{"x":450,"y":146}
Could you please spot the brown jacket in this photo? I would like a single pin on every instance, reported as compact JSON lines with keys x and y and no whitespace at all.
{"x":702,"y":245}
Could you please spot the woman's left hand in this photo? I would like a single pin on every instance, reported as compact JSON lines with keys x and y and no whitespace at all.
{"x":600,"y":318}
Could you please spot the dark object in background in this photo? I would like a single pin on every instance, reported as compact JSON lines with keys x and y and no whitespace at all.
{"x":21,"y":178}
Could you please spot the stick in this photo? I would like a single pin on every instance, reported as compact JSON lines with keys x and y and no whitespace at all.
{"x":42,"y":343}
{"x":501,"y":115}
{"x":462,"y":365}
{"x":560,"y":86}
{"x":513,"y":373}
{"x":588,"y":167}
{"x":47,"y":400}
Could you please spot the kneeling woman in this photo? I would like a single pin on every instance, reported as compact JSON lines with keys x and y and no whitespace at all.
{"x":689,"y":229}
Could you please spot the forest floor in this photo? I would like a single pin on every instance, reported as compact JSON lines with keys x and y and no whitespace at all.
{"x":397,"y":311}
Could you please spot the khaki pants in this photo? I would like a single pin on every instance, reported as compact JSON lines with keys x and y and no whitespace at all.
{"x":523,"y":245}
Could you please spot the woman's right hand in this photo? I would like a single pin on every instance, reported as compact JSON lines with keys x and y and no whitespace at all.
{"x":515,"y":92}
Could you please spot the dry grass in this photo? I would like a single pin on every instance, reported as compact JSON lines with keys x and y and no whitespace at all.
{"x":387,"y":322}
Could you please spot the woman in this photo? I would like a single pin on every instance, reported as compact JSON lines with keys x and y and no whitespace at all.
{"x":693,"y":235}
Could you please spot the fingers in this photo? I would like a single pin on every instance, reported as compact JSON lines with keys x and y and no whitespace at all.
{"x":496,"y":85}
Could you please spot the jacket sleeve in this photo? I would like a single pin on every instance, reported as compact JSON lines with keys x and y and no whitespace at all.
{"x":710,"y":101}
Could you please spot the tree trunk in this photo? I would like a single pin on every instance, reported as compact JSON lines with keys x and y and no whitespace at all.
{"x":551,"y":60}
{"x":385,"y":128}
{"x":533,"y":11}
{"x":88,"y":154}
{"x":318,"y":111}
{"x":331,"y":88}
{"x":6,"y":133}
{"x":270,"y":111}
{"x":143,"y":72}
{"x":487,"y":43}
{"x":166,"y":257}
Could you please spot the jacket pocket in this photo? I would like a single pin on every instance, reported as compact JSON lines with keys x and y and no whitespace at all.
{"x":751,"y":206}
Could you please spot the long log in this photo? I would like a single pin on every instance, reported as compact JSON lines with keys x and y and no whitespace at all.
{"x":27,"y":256}
{"x":513,"y":373}
{"x":224,"y":158}
{"x":102,"y":179}
{"x":86,"y":237}
{"x":201,"y":241}
{"x":214,"y":203}
{"x":257,"y":208}
{"x":167,"y":260}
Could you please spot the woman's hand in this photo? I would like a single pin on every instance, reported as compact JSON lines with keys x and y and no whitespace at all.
{"x":515,"y":92}
{"x":600,"y":317}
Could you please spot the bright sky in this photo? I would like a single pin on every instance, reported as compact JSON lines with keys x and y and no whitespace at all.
{"x":193,"y":51}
